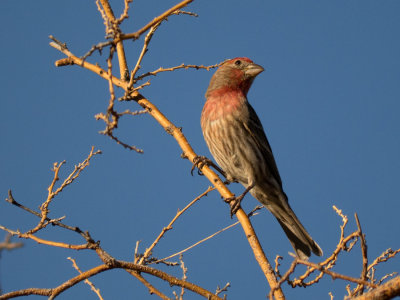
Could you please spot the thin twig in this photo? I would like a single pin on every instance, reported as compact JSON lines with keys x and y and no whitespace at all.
{"x":197,"y":243}
{"x":330,"y":261}
{"x":385,"y":256}
{"x":184,"y":275}
{"x":43,"y":241}
{"x":360,"y":288}
{"x":87,"y":281}
{"x":387,"y":276}
{"x":111,"y":117}
{"x":106,"y":20}
{"x":335,"y":275}
{"x":132,"y":113}
{"x":146,"y":42}
{"x":124,"y":14}
{"x":284,"y":278}
{"x":148,"y":251}
{"x":224,"y":289}
{"x":182,"y":12}
{"x":99,"y":47}
{"x":53,"y":193}
{"x":8,"y":245}
{"x":150,"y":287}
{"x":277,"y":264}
{"x":181,"y":66}
{"x":156,"y":20}
{"x":85,"y":235}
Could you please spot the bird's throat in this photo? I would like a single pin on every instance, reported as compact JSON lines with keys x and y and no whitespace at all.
{"x":223,"y":102}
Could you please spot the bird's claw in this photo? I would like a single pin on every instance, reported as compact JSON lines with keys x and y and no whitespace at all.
{"x":237,"y":200}
{"x":199,"y":162}
{"x":234,"y":202}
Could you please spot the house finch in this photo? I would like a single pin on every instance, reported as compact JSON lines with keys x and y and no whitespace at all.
{"x":237,"y":141}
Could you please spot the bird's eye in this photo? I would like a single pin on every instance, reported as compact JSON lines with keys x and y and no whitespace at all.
{"x":238,"y":62}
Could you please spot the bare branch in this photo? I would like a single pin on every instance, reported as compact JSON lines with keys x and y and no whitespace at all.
{"x":360,"y":288}
{"x":117,"y":264}
{"x":99,"y":47}
{"x":385,"y":256}
{"x":284,"y":278}
{"x":156,"y":20}
{"x":148,"y":251}
{"x":224,"y":289}
{"x":150,"y":287}
{"x":116,"y":32}
{"x":184,"y":275}
{"x":277,"y":264}
{"x":124,"y":14}
{"x":43,"y":241}
{"x":106,"y":20}
{"x":181,"y":66}
{"x":87,"y":281}
{"x":182,"y":12}
{"x":85,"y":235}
{"x":197,"y":243}
{"x":386,"y":291}
{"x":8,"y":245}
{"x":335,"y":275}
{"x":51,"y":193}
{"x":74,"y":60}
{"x":146,"y":42}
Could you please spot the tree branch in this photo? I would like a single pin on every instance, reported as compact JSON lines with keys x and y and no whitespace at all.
{"x":385,"y":291}
{"x":117,"y":264}
{"x":156,"y":20}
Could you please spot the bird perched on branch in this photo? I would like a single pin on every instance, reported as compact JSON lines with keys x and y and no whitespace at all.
{"x":237,"y":141}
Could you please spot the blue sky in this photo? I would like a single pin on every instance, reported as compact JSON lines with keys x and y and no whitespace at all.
{"x":328,"y":100}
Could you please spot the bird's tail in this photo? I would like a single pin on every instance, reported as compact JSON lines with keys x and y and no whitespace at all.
{"x":298,"y":236}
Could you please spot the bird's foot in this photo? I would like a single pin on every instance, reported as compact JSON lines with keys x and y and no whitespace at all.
{"x":234,"y":202}
{"x":199,"y":162}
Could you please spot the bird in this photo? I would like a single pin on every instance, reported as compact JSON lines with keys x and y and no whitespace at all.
{"x":237,"y":141}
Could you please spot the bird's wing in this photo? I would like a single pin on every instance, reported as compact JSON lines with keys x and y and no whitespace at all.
{"x":255,"y":129}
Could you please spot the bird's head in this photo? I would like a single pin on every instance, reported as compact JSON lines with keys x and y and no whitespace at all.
{"x":234,"y":74}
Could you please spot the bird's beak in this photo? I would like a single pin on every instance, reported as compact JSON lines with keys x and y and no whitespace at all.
{"x":252,"y":70}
